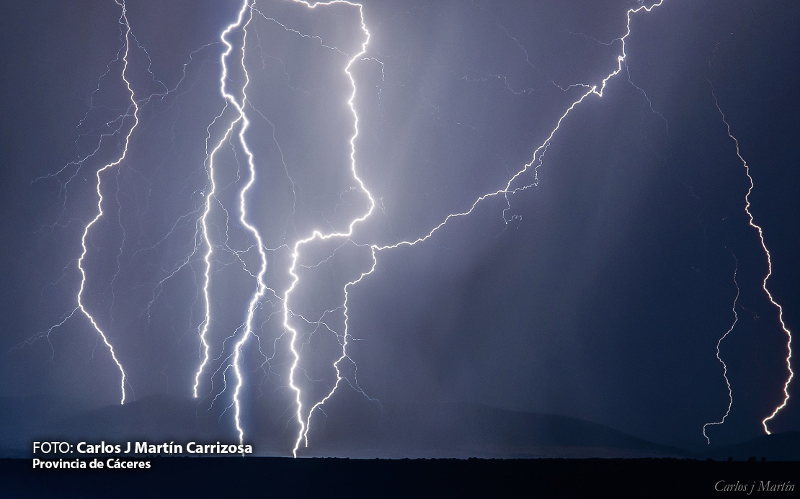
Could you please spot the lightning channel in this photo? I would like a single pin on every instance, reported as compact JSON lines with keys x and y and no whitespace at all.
{"x":768,"y":256}
{"x":539,"y":152}
{"x":212,"y":190}
{"x":725,"y":366}
{"x":260,"y":286}
{"x":123,"y":20}
{"x":244,"y":18}
{"x":536,"y":159}
{"x":111,"y":128}
{"x":344,"y":355}
{"x":505,"y":191}
{"x":303,"y":423}
{"x":236,"y":101}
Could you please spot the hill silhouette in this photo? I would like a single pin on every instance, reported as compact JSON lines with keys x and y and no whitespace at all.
{"x":441,"y":431}
{"x":470,"y":430}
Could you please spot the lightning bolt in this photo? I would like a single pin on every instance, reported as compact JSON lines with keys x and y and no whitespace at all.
{"x":768,"y":256}
{"x":245,"y":12}
{"x":212,"y":190}
{"x":344,"y":356}
{"x":261,"y":286}
{"x":304,"y":423}
{"x":115,"y":126}
{"x":505,"y":191}
{"x":235,"y":130}
{"x":244,"y":17}
{"x":123,"y":20}
{"x":539,"y":152}
{"x":724,"y":366}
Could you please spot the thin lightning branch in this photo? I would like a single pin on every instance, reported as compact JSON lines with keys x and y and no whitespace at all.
{"x":344,"y":355}
{"x":46,"y":334}
{"x":296,"y":32}
{"x":124,"y":20}
{"x":649,"y":102}
{"x":724,"y":366}
{"x":769,"y":267}
{"x":503,"y":191}
{"x":539,"y":152}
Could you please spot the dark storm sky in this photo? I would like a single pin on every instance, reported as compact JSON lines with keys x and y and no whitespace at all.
{"x":603,"y":298}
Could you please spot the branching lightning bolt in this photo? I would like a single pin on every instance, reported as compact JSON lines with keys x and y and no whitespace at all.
{"x":303,"y":432}
{"x":115,"y":127}
{"x":123,"y":20}
{"x":538,"y":154}
{"x":344,"y":351}
{"x":241,"y":335}
{"x":236,"y":130}
{"x":211,"y":191}
{"x":769,"y":267}
{"x":261,"y":287}
{"x":536,"y":159}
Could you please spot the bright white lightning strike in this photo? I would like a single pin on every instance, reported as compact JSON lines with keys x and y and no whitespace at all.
{"x":123,"y":20}
{"x":243,"y":123}
{"x":261,"y":286}
{"x":303,"y":419}
{"x":537,"y":156}
{"x":116,"y":126}
{"x":238,"y":127}
{"x":769,"y":268}
{"x":303,"y":432}
{"x":211,"y":191}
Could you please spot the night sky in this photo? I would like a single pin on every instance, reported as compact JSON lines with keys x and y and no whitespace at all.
{"x":599,"y":292}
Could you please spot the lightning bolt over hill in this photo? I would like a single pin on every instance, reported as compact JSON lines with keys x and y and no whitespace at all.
{"x":240,"y":207}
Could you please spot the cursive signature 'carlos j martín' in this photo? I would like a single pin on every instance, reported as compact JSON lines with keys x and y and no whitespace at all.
{"x":749,"y":488}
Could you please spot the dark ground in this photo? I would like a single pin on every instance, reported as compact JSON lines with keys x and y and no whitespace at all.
{"x":282,"y":477}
